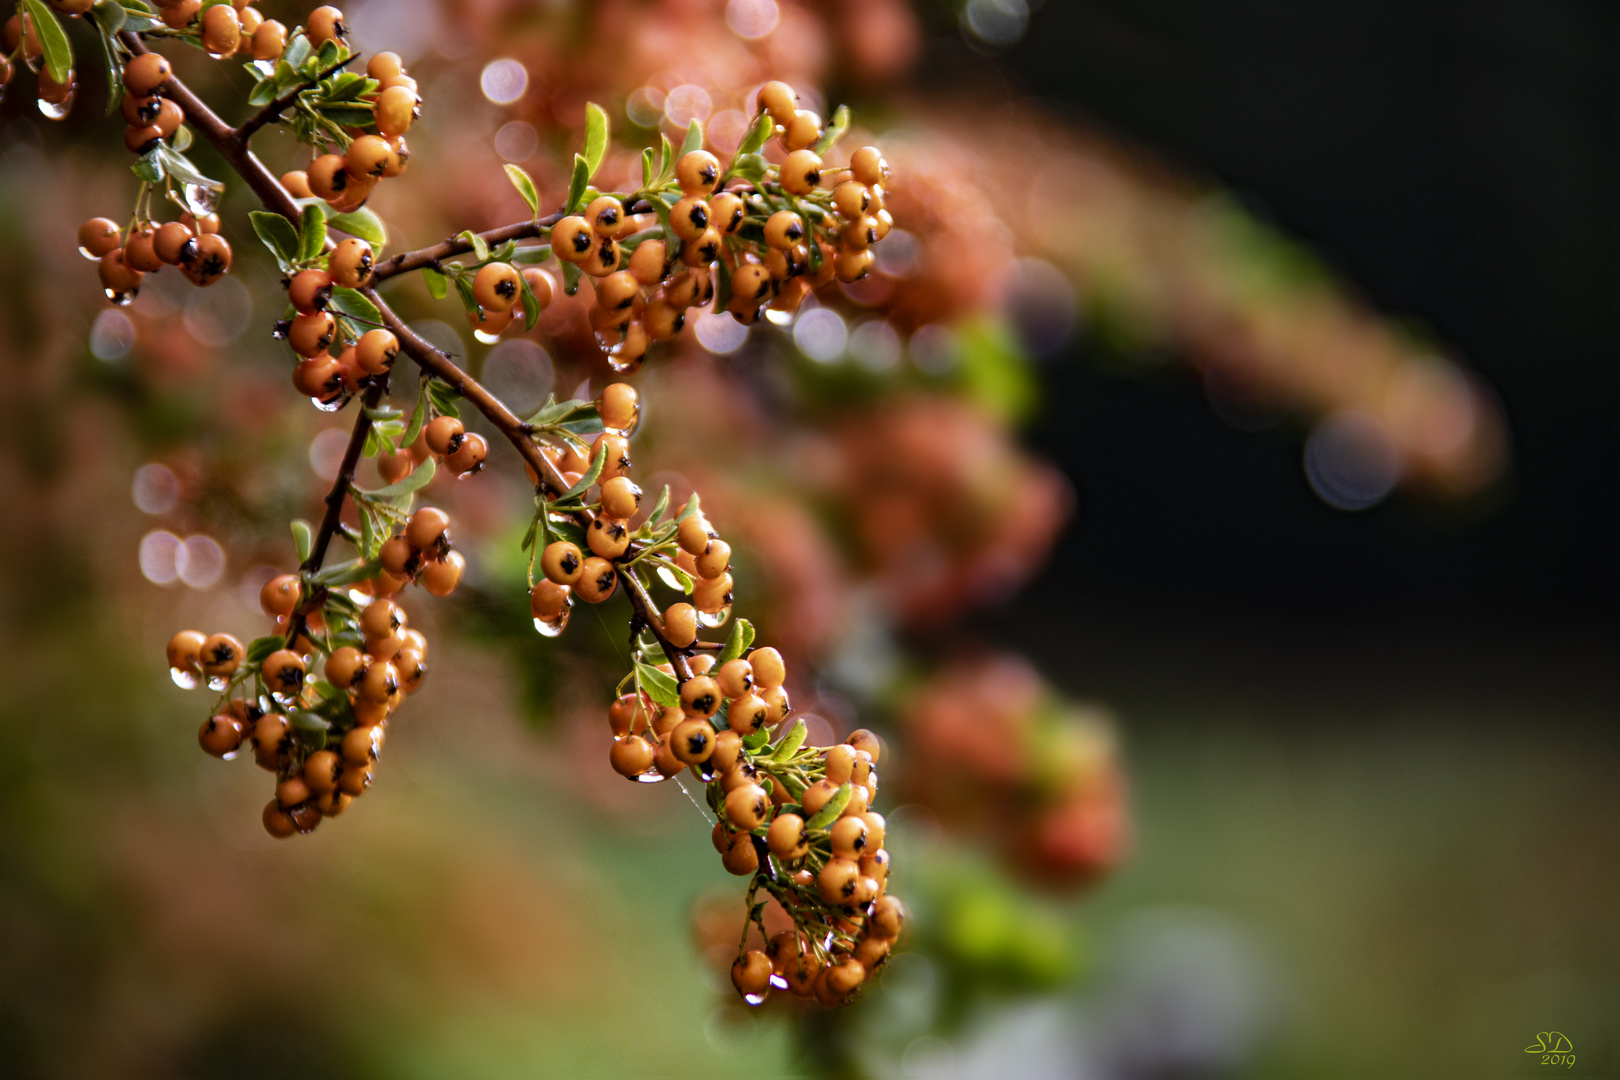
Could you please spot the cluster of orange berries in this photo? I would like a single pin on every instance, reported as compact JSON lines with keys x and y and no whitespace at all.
{"x":347,"y":180}
{"x":496,"y":287}
{"x":321,"y":740}
{"x":779,"y":238}
{"x":21,"y":39}
{"x":314,"y":329}
{"x":124,"y":257}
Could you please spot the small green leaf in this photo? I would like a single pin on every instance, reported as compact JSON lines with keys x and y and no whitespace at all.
{"x":829,"y":813}
{"x":52,"y":39}
{"x":596,"y":136}
{"x":349,"y":572}
{"x":464,"y":290}
{"x":584,"y":482}
{"x":302,"y":539}
{"x":308,"y":721}
{"x":756,"y":741}
{"x":180,"y":167}
{"x":443,"y":397}
{"x":297,"y":50}
{"x":763,"y":126}
{"x":833,"y":131}
{"x":742,"y":636}
{"x":419,"y":478}
{"x":531,"y":256}
{"x":576,"y":187}
{"x":349,"y":302}
{"x":751,"y":166}
{"x":312,"y":232}
{"x":666,"y":160}
{"x":364,"y":224}
{"x":525,"y":187}
{"x":109,"y":15}
{"x":553,"y":411}
{"x":694,"y":138}
{"x":182,"y":138}
{"x":476,"y":242}
{"x":264,"y":91}
{"x":149,"y":166}
{"x":790,"y":742}
{"x":278,"y":235}
{"x":660,"y":506}
{"x":689,"y":509}
{"x":662,"y":688}
{"x":368,"y":532}
{"x":345,"y":114}
{"x":438,"y":286}
{"x":531,"y":304}
{"x":646,"y":168}
{"x":418,"y":419}
{"x":260,"y":648}
{"x":570,"y":275}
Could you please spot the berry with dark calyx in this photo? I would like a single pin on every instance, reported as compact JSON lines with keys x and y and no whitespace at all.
{"x":618,"y":291}
{"x":344,"y":666}
{"x":367,"y":157}
{"x":173,"y":243}
{"x":319,"y":377}
{"x":444,"y":434}
{"x":220,"y":656}
{"x":206,"y":259}
{"x":283,"y":672}
{"x":603,"y":259}
{"x":703,"y":250}
{"x":429,"y":527}
{"x":376,"y":351}
{"x":748,"y":713}
{"x":442,"y":577}
{"x":694,"y":535}
{"x":321,"y":771}
{"x":726,"y":212}
{"x":326,"y":24}
{"x":736,"y":678}
{"x":495,"y":286}
{"x":146,"y":74}
{"x":689,"y":217}
{"x":469,"y":457}
{"x":848,"y":836}
{"x":310,"y":291}
{"x":572,"y":239}
{"x":351,"y":263}
{"x":605,"y":214}
{"x":562,"y":562}
{"x":311,"y":335}
{"x":700,"y":696}
{"x":621,"y":498}
{"x":696,"y":172}
{"x":631,"y":756}
{"x":715,"y":560}
{"x":784,"y":229}
{"x":221,"y":735}
{"x":608,"y":537}
{"x":597,"y":580}
{"x":801,"y":172}
{"x":692,"y":741}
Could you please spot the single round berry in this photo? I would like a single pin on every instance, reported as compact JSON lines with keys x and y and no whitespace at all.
{"x":384,"y":66}
{"x":726,"y":212}
{"x":802,"y":131}
{"x":281,"y":594}
{"x":321,"y":771}
{"x":311,"y":335}
{"x":751,"y":283}
{"x":618,"y":291}
{"x":751,"y":976}
{"x":376,"y":351}
{"x":367,"y":157}
{"x":207,"y":259}
{"x":696,"y":172}
{"x":801,"y":172}
{"x":868,"y":167}
{"x":715,"y":560}
{"x":344,"y":666}
{"x":680,"y":624}
{"x":548,"y":600}
{"x":784,"y":229}
{"x":597,"y":580}
{"x":283,"y":672}
{"x":711,"y":595}
{"x":849,"y":838}
{"x":572,"y":239}
{"x":98,"y":236}
{"x":778,"y":99}
{"x":172,"y":243}
{"x":562,"y":562}
{"x":608,"y":537}
{"x":444,"y":434}
{"x":692,"y":741}
{"x":700,"y":696}
{"x":221,"y":30}
{"x":221,"y":735}
{"x":703,"y":250}
{"x":442,"y":577}
{"x":740,"y":858}
{"x":838,"y":880}
{"x":621,"y":498}
{"x":326,"y":24}
{"x":429,"y":527}
{"x":539,"y":283}
{"x":269,"y":41}
{"x":631,"y":756}
{"x":145,"y":74}
{"x":785,"y":837}
{"x":351,"y":263}
{"x":220,"y":656}
{"x":736,"y":678}
{"x":310,"y":291}
{"x":689,"y":217}
{"x":605,"y":214}
{"x":748,"y":713}
{"x":496,"y":286}
{"x":296,"y":181}
{"x":862,"y":739}
{"x":646,"y":262}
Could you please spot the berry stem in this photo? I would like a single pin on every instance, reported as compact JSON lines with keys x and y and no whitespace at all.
{"x":407,"y":261}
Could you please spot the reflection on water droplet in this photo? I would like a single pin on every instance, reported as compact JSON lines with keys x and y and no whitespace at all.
{"x":717,"y":619}
{"x":487,"y":339}
{"x":626,"y":367}
{"x":705,"y":771}
{"x":651,"y":776}
{"x":266,"y":67}
{"x":331,"y":404}
{"x":552,"y":627}
{"x":200,"y":200}
{"x":284,"y":700}
{"x":779,"y":318}
{"x":232,"y":756}
{"x":82,"y":249}
{"x":218,"y":683}
{"x":57,"y":111}
{"x":779,"y":982}
{"x":754,"y":999}
{"x":122,"y":299}
{"x":184,"y":679}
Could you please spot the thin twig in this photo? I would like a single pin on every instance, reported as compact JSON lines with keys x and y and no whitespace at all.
{"x":407,"y":261}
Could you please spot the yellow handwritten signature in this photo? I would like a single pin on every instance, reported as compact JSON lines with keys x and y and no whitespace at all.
{"x":1554,"y":1048}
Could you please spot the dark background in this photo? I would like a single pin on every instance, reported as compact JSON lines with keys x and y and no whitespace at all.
{"x":1456,"y":164}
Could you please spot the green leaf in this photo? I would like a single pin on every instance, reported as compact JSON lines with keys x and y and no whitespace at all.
{"x":666,"y":160}
{"x":660,"y":506}
{"x":833,"y":131}
{"x":662,"y":688}
{"x":464,"y":290}
{"x":364,"y":224}
{"x":646,"y":168}
{"x":763,"y":126}
{"x":418,"y":419}
{"x":689,"y":509}
{"x":349,"y":572}
{"x":596,"y":136}
{"x":571,"y":275}
{"x":576,"y":187}
{"x":525,"y":187}
{"x":790,"y":742}
{"x":303,"y":539}
{"x":58,"y":52}
{"x":353,"y":304}
{"x":149,"y":166}
{"x":368,"y":533}
{"x":182,"y":138}
{"x":553,"y":411}
{"x":742,"y":636}
{"x":693,"y":140}
{"x":260,"y":648}
{"x":531,"y":304}
{"x":531,"y":256}
{"x":345,"y":114}
{"x":312,"y":232}
{"x":756,"y":741}
{"x":443,"y":398}
{"x":476,"y":242}
{"x":419,"y":478}
{"x":180,"y":167}
{"x":590,"y":476}
{"x":438,"y":286}
{"x":278,"y":235}
{"x":309,"y":721}
{"x":751,"y":166}
{"x":829,"y":813}
{"x":297,"y":50}
{"x":264,"y":91}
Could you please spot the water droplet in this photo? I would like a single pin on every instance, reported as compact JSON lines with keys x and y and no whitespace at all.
{"x":667,"y":576}
{"x":610,"y":341}
{"x":552,"y":627}
{"x":779,"y":318}
{"x":218,"y":684}
{"x":331,"y":404}
{"x":286,"y":701}
{"x":717,"y":619}
{"x":56,"y":110}
{"x":266,"y":67}
{"x":122,"y":299}
{"x":779,"y":982}
{"x":626,"y":367}
{"x":651,"y":776}
{"x":200,"y":200}
{"x":82,"y":249}
{"x":233,"y":755}
{"x":756,"y":999}
{"x":705,"y":771}
{"x":184,"y":679}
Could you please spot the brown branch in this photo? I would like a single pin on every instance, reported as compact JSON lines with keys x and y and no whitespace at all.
{"x":275,"y":197}
{"x":407,"y":261}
